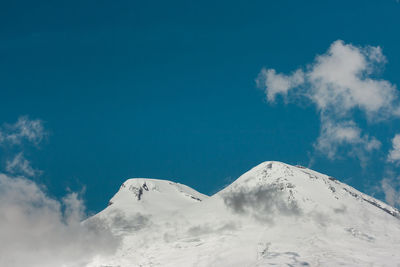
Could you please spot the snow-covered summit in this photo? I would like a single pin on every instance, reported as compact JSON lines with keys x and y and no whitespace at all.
{"x":151,"y":197}
{"x":310,"y":189}
{"x":143,"y":188}
{"x":274,"y":214}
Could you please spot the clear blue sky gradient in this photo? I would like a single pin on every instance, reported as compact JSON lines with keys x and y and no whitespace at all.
{"x":166,"y":89}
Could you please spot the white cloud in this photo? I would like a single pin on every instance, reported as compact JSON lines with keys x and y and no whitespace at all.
{"x":335,"y":135}
{"x":23,"y":130}
{"x":21,"y":166}
{"x":279,"y":83}
{"x":38,"y":231}
{"x":394,"y":153}
{"x":338,"y":83}
{"x":391,"y":189}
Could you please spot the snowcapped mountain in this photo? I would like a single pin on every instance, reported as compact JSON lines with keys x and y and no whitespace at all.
{"x":273,"y":215}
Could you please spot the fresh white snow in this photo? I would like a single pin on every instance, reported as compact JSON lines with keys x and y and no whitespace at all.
{"x":273,"y":215}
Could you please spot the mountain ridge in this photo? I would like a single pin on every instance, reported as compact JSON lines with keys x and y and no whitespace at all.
{"x":275,"y":213}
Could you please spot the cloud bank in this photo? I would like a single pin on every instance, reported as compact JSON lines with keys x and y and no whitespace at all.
{"x":338,"y":83}
{"x":38,"y":231}
{"x":35,"y":229}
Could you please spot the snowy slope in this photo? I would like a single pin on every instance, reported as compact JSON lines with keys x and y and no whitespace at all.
{"x":274,"y":214}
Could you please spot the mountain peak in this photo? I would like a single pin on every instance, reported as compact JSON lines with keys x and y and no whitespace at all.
{"x":155,"y":197}
{"x":309,"y":189}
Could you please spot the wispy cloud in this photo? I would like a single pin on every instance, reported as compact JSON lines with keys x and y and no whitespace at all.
{"x":391,"y":190}
{"x":17,"y":135}
{"x":394,"y":153}
{"x":19,"y":165}
{"x":391,"y":186}
{"x":24,"y":130}
{"x":336,"y":134}
{"x":338,"y":83}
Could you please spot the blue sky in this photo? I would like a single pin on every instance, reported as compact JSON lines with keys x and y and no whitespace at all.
{"x":168,"y":90}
